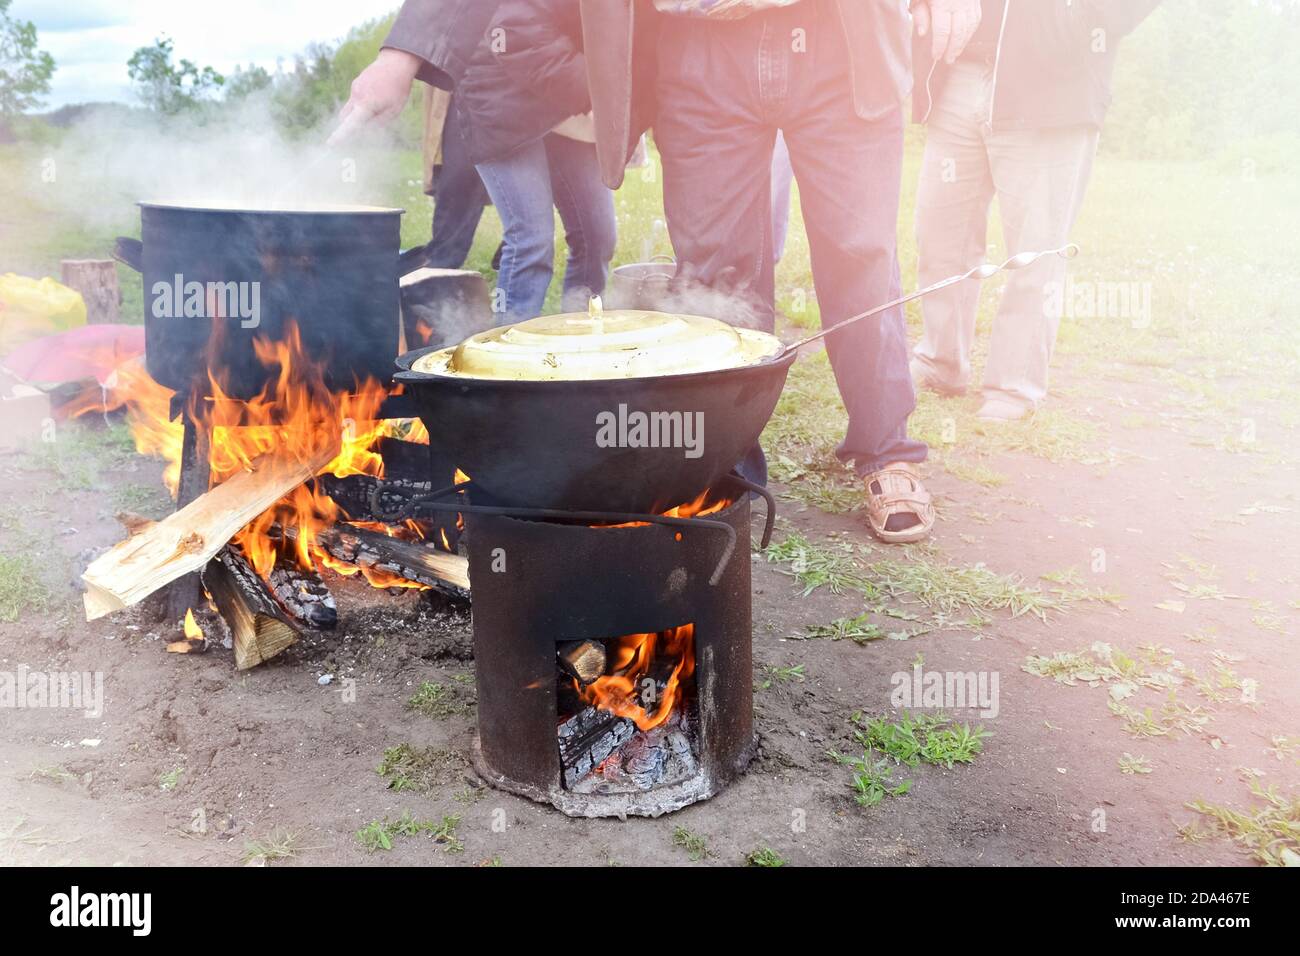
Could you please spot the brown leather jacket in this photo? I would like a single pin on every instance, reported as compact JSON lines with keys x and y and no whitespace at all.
{"x":620,"y":46}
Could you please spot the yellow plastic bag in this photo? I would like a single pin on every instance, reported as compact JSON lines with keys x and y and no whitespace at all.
{"x":32,"y":308}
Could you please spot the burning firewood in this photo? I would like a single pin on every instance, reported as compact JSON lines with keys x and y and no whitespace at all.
{"x":587,"y":738}
{"x":259,"y":627}
{"x":195,"y":641}
{"x":408,"y":560}
{"x":584,"y":660}
{"x":188,"y":539}
{"x":303,"y":595}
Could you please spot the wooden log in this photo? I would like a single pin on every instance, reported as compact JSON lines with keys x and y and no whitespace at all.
{"x":409,"y":560}
{"x":587,"y":738}
{"x":303,"y":596}
{"x":584,"y":660}
{"x":258,"y":625}
{"x":96,"y":280}
{"x":195,"y":479}
{"x":188,"y":539}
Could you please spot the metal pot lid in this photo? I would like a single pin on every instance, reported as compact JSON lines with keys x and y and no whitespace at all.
{"x":601,"y":345}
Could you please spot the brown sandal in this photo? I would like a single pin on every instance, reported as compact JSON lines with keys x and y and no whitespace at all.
{"x":896,"y":489}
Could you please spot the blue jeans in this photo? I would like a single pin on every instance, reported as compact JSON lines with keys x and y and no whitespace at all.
{"x":731,"y":84}
{"x":526,"y":187}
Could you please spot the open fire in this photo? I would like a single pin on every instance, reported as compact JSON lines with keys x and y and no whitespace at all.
{"x":294,"y":415}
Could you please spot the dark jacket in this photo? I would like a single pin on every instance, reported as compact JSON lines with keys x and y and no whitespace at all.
{"x":526,"y":77}
{"x":1053,"y":64}
{"x":621,"y":57}
{"x":442,"y":33}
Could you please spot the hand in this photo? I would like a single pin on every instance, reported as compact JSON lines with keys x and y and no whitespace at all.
{"x":378,"y":94}
{"x":952,"y":23}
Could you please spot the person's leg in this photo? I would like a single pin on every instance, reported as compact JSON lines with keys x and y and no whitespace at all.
{"x":520,"y":187}
{"x":716,"y":145}
{"x":849,"y":173}
{"x":586,"y":208}
{"x":1041,"y":177}
{"x":782,"y":179}
{"x":952,"y":211}
{"x":459,"y":200}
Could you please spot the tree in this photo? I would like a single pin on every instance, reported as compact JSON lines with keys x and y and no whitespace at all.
{"x":166,"y":88}
{"x":25,"y":71}
{"x":243,"y":83}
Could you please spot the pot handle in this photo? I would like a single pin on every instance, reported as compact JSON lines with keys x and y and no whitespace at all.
{"x":129,"y":252}
{"x":411,"y":260}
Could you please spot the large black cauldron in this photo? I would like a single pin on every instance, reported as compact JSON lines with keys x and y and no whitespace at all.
{"x":333,"y":271}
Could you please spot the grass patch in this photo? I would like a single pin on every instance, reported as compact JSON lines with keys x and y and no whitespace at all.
{"x":695,"y":846}
{"x":765,"y":856}
{"x":418,"y":769}
{"x":1270,"y":829}
{"x":1130,"y":764}
{"x":949,"y":588}
{"x":381,"y":834}
{"x":21,"y":587}
{"x":911,"y":741}
{"x":168,"y":781}
{"x":438,"y":700}
{"x":781,"y":675}
{"x":817,"y":566}
{"x":860,"y":630}
{"x":278,"y":845}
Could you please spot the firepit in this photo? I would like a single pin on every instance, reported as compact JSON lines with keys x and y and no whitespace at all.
{"x":612,"y":652}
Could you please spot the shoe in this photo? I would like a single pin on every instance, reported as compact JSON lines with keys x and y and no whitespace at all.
{"x":923,"y":378}
{"x":1001,"y":410}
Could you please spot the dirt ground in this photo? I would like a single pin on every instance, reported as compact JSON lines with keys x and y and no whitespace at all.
{"x":1201,"y":546}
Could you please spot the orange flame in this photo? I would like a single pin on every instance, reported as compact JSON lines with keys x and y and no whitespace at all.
{"x":630,"y":691}
{"x":192,"y":629}
{"x":292,"y":415}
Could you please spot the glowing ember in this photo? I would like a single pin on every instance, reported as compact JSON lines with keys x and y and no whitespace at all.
{"x":631,"y":690}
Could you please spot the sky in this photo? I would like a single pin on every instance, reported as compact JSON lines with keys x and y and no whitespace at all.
{"x":91,"y":40}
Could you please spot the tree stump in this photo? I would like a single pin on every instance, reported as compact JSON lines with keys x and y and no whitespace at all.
{"x":96,"y":280}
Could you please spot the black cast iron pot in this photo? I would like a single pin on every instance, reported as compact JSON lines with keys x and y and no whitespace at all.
{"x":333,"y":271}
{"x":532,"y":444}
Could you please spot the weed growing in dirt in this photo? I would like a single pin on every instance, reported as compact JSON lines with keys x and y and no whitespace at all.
{"x":858,"y":629}
{"x":169,"y":780}
{"x":417,"y":769}
{"x":872,"y":778}
{"x":437,"y":700}
{"x":765,"y":856}
{"x":1134,"y":765}
{"x":781,"y":675}
{"x":817,"y":566}
{"x":1270,"y":830}
{"x":378,"y":834}
{"x":694,"y":844}
{"x":924,"y":738}
{"x":21,"y":587}
{"x":278,"y":845}
{"x":950,"y":588}
{"x":911,"y":741}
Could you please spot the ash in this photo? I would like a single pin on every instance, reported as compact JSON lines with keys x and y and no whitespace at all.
{"x":659,"y":757}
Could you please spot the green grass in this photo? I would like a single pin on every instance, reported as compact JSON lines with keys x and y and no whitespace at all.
{"x":910,"y":741}
{"x":381,"y":834}
{"x":860,"y":630}
{"x":438,"y":700}
{"x":1269,"y":829}
{"x":766,"y":857}
{"x":418,"y":769}
{"x":171,"y":779}
{"x":821,"y":566}
{"x":950,"y":589}
{"x":21,"y":586}
{"x":695,"y":845}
